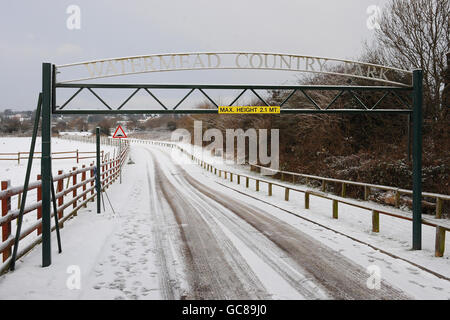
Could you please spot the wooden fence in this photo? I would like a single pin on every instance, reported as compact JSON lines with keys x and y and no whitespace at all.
{"x":71,"y":195}
{"x":76,"y":154}
{"x":368,"y":187}
{"x":441,"y":225}
{"x":104,"y":141}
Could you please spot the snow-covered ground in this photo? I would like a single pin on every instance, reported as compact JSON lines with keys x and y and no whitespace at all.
{"x":15,"y":172}
{"x":137,"y":253}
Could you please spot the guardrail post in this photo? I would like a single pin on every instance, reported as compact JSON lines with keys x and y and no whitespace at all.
{"x":220,"y":173}
{"x":39,"y":209}
{"x":231,"y":176}
{"x":225,"y":173}
{"x":238,"y":179}
{"x":440,"y":241}
{"x":74,"y":192}
{"x":83,"y":179}
{"x":257,"y":185}
{"x":375,"y":221}
{"x":6,"y":228}
{"x":306,"y":200}
{"x":335,"y":209}
{"x":59,"y":188}
{"x":286,"y":194}
{"x":246,"y":182}
{"x":438,"y":208}
{"x":282,"y":176}
{"x":270,"y":189}
{"x":324,"y":185}
{"x":215,"y":171}
{"x":343,"y":191}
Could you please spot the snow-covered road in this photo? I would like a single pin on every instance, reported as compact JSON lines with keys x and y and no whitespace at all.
{"x":178,"y":234}
{"x":233,"y":250}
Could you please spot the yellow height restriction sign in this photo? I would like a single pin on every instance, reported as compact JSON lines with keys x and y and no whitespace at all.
{"x":250,"y":109}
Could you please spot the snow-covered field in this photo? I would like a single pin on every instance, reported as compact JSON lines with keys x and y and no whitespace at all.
{"x":143,"y":250}
{"x":11,"y":170}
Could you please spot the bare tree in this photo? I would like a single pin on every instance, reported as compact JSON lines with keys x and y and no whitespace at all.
{"x":416,"y":34}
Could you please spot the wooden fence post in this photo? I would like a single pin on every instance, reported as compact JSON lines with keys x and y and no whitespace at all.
{"x":246,"y":182}
{"x":286,"y":194}
{"x":324,"y":185}
{"x":343,"y":191}
{"x":440,"y":241}
{"x":306,"y":200}
{"x":375,"y":221}
{"x":78,"y":157}
{"x":92,"y":182}
{"x":366,"y":192}
{"x":6,"y":228}
{"x":270,"y":189}
{"x":231,"y":176}
{"x":18,"y":157}
{"x":59,"y":188}
{"x":397,"y":198}
{"x":438,"y":208}
{"x":102,"y":177}
{"x":39,"y":209}
{"x":74,"y":193}
{"x":83,"y":179}
{"x":335,"y":209}
{"x":257,"y":185}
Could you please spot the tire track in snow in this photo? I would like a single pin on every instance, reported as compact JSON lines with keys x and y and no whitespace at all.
{"x":214,"y":268}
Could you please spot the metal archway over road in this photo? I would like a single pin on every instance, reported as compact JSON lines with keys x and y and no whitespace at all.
{"x":55,"y":78}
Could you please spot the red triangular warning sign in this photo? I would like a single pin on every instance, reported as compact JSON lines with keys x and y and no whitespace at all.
{"x":119,"y":133}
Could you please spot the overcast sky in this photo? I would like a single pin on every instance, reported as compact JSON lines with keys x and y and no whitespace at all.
{"x":32,"y":32}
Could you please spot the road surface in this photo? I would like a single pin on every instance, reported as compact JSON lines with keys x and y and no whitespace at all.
{"x":208,"y":245}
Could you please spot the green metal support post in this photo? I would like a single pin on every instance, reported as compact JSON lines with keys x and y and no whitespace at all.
{"x":97,"y":176}
{"x":46,"y":162}
{"x":417,"y":160}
